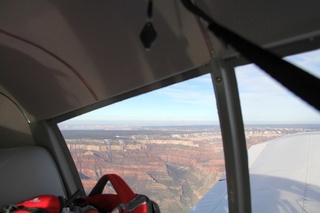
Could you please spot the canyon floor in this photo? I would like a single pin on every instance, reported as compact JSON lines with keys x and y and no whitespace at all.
{"x":174,"y":166}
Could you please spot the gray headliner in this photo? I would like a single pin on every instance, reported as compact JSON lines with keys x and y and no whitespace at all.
{"x":99,"y":39}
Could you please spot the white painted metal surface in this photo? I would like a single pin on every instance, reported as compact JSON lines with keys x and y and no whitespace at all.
{"x":284,"y":176}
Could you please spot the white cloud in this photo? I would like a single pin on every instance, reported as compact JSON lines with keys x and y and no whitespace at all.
{"x":198,"y":91}
{"x":263,"y":99}
{"x":309,"y":61}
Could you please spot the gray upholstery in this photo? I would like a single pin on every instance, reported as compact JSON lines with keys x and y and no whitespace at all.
{"x":26,"y":172}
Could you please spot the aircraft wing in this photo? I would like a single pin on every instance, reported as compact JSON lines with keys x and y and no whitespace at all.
{"x":284,"y":177}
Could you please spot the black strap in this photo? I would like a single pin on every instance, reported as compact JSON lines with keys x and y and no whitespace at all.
{"x":98,"y":188}
{"x":155,"y":207}
{"x":150,"y":9}
{"x":71,"y":198}
{"x":303,"y":84}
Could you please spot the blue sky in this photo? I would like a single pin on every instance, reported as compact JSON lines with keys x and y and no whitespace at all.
{"x":193,"y":103}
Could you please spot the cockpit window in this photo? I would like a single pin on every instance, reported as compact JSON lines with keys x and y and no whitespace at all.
{"x":166,"y":144}
{"x":271,"y":110}
{"x":282,"y":134}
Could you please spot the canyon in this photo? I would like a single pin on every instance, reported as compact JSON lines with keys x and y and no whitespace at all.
{"x":174,"y":166}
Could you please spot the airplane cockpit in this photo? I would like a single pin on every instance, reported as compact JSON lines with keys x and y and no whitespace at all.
{"x":63,"y":59}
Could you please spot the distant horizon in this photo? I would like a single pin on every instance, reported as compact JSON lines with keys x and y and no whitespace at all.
{"x":78,"y":125}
